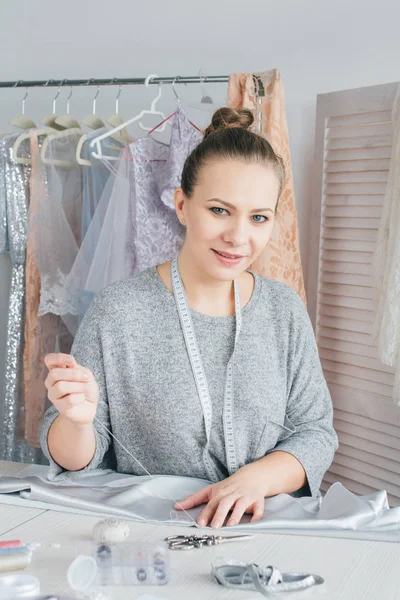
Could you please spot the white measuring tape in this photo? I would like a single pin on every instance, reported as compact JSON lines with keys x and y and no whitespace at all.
{"x":200,"y":376}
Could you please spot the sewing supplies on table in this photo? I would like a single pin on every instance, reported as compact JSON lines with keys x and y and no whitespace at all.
{"x":11,"y":544}
{"x":111,"y":530}
{"x":188,"y":542}
{"x":266,"y":580}
{"x":18,"y":586}
{"x":125,"y":563}
{"x":14,"y":557}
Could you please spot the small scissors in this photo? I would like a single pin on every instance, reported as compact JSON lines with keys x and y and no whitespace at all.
{"x":188,"y":542}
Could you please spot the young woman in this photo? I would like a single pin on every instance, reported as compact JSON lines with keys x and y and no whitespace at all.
{"x":199,"y":366}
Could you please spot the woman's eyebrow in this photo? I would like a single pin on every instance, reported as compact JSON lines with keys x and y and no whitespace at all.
{"x":229,"y":205}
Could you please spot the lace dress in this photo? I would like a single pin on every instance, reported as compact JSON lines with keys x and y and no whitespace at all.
{"x":135,"y":225}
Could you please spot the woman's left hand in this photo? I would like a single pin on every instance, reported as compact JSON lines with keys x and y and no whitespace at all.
{"x":242,"y":492}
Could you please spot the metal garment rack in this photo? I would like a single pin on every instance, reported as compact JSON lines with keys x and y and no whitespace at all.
{"x":115,"y":81}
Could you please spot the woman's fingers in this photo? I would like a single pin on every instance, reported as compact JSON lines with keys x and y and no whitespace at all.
{"x":63,"y":388}
{"x":74,"y":374}
{"x":59,"y":360}
{"x":216,"y":511}
{"x":70,"y":401}
{"x":240,"y":508}
{"x":258,"y":511}
{"x":193,"y":500}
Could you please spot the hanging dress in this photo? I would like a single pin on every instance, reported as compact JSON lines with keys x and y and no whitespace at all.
{"x":135,"y":225}
{"x":280,"y":260}
{"x":53,"y":237}
{"x":15,"y":198}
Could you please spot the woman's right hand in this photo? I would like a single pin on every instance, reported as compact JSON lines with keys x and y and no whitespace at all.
{"x":71,"y":388}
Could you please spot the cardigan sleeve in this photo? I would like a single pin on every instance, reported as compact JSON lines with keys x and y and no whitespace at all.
{"x":87,"y":350}
{"x":309,"y":405}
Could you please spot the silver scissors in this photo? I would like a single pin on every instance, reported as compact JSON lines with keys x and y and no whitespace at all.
{"x":188,"y":542}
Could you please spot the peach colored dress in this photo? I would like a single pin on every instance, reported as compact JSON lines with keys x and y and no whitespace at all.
{"x":281,"y":258}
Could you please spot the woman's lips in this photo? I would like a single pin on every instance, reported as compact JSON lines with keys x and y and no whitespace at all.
{"x":225,"y":260}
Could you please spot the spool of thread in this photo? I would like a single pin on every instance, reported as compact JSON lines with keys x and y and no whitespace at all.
{"x":11,"y":544}
{"x":7,"y":551}
{"x":15,"y":560}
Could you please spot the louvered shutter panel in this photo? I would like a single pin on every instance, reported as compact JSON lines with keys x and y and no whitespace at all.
{"x":353,"y":150}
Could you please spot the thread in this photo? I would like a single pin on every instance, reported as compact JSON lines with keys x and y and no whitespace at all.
{"x":144,"y":468}
{"x":11,"y":544}
{"x":15,"y":562}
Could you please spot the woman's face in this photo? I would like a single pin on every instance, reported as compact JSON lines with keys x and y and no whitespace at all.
{"x":231,"y":212}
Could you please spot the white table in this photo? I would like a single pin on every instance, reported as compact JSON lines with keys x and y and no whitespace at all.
{"x":352,"y":569}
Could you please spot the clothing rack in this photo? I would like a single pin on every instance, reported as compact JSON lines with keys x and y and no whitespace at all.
{"x":115,"y":81}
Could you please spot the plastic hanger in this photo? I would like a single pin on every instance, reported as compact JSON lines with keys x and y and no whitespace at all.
{"x":93,"y":121}
{"x":66,"y":120}
{"x":18,"y":142}
{"x":79,"y":159}
{"x":52,"y":136}
{"x":22,"y":121}
{"x":71,"y":128}
{"x":206,"y":103}
{"x":40,"y":132}
{"x":116,"y":120}
{"x":167,"y":119}
{"x":153,"y":109}
{"x":95,"y":143}
{"x":50,"y":120}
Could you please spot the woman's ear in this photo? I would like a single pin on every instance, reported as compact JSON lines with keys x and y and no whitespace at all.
{"x":179,"y":201}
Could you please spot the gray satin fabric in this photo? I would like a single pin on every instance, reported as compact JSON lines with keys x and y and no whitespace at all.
{"x":340,"y":513}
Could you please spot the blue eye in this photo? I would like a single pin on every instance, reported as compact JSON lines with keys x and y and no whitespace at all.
{"x":216,"y":208}
{"x":260,"y":217}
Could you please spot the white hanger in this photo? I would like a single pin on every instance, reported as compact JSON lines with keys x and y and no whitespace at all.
{"x":116,"y":120}
{"x":79,"y":159}
{"x":40,"y":132}
{"x":14,"y":152}
{"x":50,"y":120}
{"x":22,"y":121}
{"x":66,"y":120}
{"x":95,"y":143}
{"x":57,"y":135}
{"x":153,"y":109}
{"x":93,"y":121}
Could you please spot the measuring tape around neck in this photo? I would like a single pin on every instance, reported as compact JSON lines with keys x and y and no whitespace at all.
{"x":200,"y":376}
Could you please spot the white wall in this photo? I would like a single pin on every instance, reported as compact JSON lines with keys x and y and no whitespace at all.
{"x":319,"y":46}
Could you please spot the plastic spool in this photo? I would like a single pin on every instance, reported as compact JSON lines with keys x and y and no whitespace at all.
{"x":19,"y":586}
{"x":82,"y":573}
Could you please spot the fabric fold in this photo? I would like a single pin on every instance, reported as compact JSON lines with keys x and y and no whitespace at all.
{"x":340,"y":513}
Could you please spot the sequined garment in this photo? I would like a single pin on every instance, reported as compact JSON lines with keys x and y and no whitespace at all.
{"x":14,"y":200}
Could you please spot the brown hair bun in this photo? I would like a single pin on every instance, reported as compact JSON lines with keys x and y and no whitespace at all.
{"x":226,"y":117}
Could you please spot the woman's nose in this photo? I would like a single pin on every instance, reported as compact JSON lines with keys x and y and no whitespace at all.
{"x":237,"y":234}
